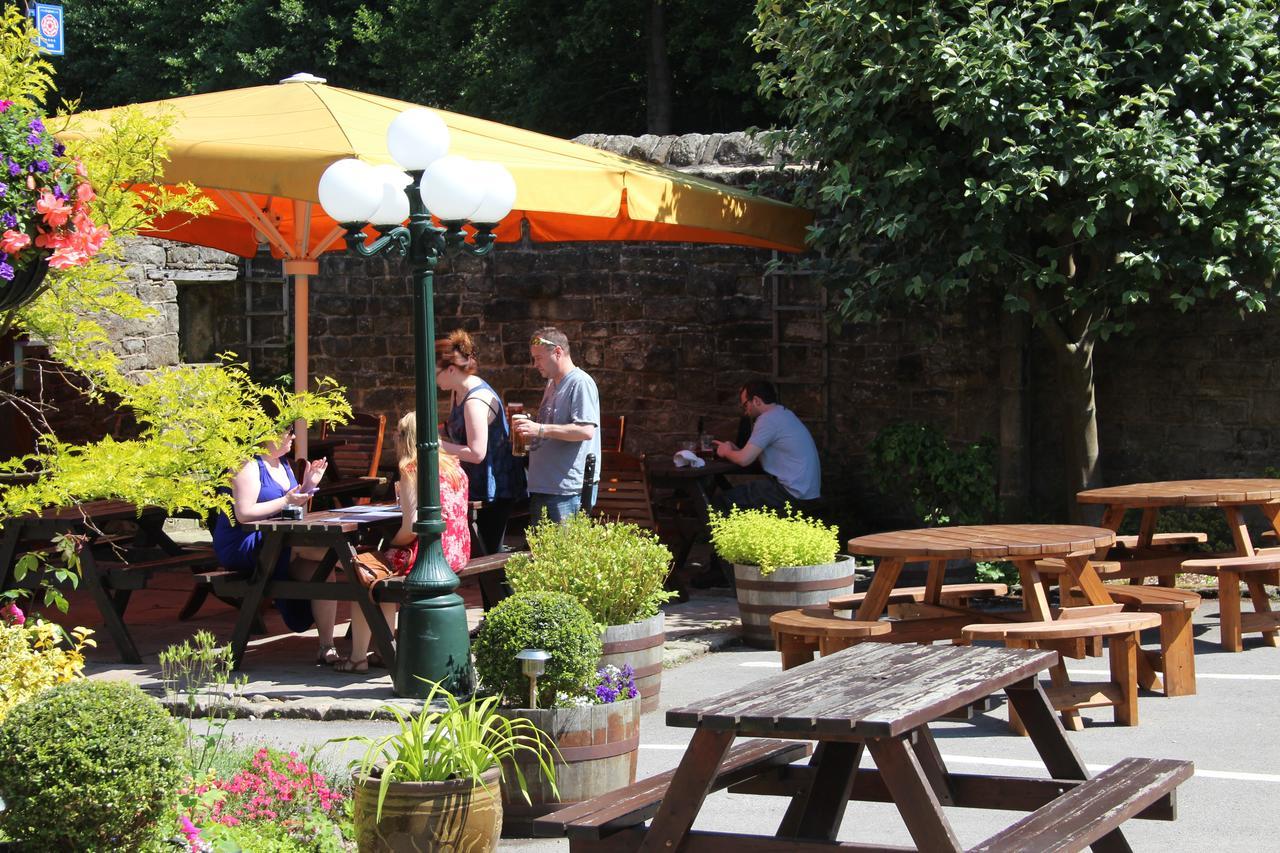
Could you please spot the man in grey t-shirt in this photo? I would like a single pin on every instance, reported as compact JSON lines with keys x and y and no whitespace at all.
{"x":785,"y":449}
{"x":567,"y":428}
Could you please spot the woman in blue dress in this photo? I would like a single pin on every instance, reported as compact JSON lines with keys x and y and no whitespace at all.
{"x":261,"y":490}
{"x":479,"y":436}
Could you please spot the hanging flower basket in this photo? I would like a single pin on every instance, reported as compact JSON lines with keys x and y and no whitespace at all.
{"x":46,"y":219}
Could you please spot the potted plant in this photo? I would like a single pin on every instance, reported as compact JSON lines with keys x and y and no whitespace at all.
{"x":617,"y":571}
{"x":780,"y":562}
{"x":591,"y":713}
{"x":433,"y":784}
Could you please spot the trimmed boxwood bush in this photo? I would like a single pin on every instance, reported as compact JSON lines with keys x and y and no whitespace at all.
{"x":551,"y":621}
{"x":89,"y":765}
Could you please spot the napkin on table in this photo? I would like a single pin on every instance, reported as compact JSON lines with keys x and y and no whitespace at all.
{"x":687,"y":459}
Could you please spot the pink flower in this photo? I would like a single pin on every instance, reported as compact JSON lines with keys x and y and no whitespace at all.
{"x":4,"y":106}
{"x":13,"y":614}
{"x":84,"y":193}
{"x":55,"y":211}
{"x":14,"y":241}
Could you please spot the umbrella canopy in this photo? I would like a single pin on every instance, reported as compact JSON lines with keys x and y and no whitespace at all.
{"x":259,"y":154}
{"x":259,"y":151}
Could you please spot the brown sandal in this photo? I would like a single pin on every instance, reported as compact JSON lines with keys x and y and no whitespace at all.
{"x":349,"y":665}
{"x":328,"y":656}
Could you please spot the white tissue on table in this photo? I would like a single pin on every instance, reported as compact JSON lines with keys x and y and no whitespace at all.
{"x":687,"y":459}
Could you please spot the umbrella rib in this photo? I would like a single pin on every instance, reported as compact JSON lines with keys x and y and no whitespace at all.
{"x":327,"y":241}
{"x":245,"y":207}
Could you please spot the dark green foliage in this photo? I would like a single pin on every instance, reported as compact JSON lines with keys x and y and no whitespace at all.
{"x":89,"y":765}
{"x":557,"y":67}
{"x":551,"y":621}
{"x":912,"y":464}
{"x":1083,"y":158}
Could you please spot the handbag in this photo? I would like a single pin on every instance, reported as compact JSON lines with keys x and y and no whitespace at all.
{"x":371,"y":569}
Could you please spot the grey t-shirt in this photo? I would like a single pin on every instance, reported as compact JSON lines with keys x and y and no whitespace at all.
{"x":788,"y":452}
{"x":556,"y":467}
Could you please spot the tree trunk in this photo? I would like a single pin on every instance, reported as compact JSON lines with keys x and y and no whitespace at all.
{"x":658,"y":72}
{"x":1080,"y":421}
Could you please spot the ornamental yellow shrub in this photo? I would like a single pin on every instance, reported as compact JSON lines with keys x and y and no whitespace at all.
{"x":35,"y":656}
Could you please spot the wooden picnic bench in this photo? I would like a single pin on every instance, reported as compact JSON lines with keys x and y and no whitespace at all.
{"x":1254,"y":570}
{"x":109,"y":582}
{"x":878,"y":698}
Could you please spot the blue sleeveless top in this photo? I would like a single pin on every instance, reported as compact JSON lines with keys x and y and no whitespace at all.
{"x":237,"y":548}
{"x":497,"y":476}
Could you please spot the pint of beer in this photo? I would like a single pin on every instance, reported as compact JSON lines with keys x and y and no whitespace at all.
{"x":519,"y":444}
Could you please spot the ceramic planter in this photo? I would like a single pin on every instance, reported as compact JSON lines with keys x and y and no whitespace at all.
{"x":787,"y":588}
{"x":459,"y":816}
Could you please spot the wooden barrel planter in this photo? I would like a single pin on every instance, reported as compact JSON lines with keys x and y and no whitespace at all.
{"x":599,"y":746}
{"x":640,"y":645}
{"x":458,"y":814}
{"x":787,"y":588}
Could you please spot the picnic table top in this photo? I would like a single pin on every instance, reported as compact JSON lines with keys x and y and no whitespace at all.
{"x":1185,"y":493}
{"x":101,"y":510}
{"x":344,"y":519}
{"x":984,"y":542}
{"x":868,"y":690}
{"x":662,"y":465}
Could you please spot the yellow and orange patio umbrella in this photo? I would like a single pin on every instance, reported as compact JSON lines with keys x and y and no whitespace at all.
{"x":259,"y":154}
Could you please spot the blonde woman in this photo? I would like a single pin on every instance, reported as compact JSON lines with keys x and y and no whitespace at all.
{"x":403,"y":550}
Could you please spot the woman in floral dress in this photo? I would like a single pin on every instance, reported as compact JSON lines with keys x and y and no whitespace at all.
{"x":400,"y":555}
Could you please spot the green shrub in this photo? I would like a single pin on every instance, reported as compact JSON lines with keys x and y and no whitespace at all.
{"x":36,"y":655}
{"x":89,"y":765}
{"x":913,"y":464}
{"x":762,"y":537}
{"x":615,"y":569}
{"x":551,"y":621}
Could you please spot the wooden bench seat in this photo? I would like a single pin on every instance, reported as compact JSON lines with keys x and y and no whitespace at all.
{"x":627,"y":807}
{"x":957,"y":593}
{"x":120,"y":575}
{"x":1166,"y":540}
{"x":1120,"y":630}
{"x":392,"y":589}
{"x":798,"y":634}
{"x":1073,"y":821}
{"x":1255,"y":571}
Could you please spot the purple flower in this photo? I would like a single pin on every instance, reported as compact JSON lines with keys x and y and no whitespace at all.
{"x":33,"y":139}
{"x":9,"y":220}
{"x":59,"y":149}
{"x":14,"y":169}
{"x":6,"y":272}
{"x":36,"y":124}
{"x":59,"y":192}
{"x":4,"y":188}
{"x":42,"y":165}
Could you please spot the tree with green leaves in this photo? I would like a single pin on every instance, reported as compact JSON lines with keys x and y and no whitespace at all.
{"x":1080,"y":160}
{"x":198,"y":423}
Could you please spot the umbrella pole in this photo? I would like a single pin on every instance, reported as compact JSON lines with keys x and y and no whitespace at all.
{"x":301,"y":270}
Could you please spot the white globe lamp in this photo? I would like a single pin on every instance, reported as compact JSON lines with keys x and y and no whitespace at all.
{"x":417,"y":138}
{"x":394,"y":207}
{"x":499,"y":193}
{"x":452,"y":188}
{"x":350,"y":191}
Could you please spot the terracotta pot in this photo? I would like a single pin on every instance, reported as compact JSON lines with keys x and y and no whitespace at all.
{"x":786,"y":588}
{"x":638,"y":644}
{"x":459,"y":816}
{"x":599,"y":747}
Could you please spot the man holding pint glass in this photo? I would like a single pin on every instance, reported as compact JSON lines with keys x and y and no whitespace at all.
{"x":565,"y":430}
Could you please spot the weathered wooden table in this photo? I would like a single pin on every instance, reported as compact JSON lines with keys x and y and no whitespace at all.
{"x":880,"y":698}
{"x":1021,"y":544}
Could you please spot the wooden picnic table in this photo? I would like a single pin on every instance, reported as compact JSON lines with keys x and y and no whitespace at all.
{"x":109,"y":583}
{"x":1021,"y":544}
{"x":881,"y":698}
{"x":1144,"y":559}
{"x":696,"y":485}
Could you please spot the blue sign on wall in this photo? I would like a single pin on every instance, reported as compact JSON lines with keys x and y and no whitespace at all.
{"x":49,"y":28}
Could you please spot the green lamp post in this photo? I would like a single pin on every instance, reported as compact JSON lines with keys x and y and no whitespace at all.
{"x":433,"y":642}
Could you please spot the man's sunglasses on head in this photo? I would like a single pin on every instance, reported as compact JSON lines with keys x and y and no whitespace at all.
{"x":541,"y":341}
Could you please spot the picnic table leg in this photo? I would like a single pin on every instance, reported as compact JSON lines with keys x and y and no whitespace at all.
{"x":272,"y":542}
{"x":111,"y":614}
{"x":1261,"y":604}
{"x":877,"y":597}
{"x":689,"y":787}
{"x":818,"y":810}
{"x":914,"y":796}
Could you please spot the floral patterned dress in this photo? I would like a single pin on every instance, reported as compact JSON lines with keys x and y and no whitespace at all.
{"x":456,"y":540}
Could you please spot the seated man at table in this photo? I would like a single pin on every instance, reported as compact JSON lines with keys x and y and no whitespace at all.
{"x":785,"y":449}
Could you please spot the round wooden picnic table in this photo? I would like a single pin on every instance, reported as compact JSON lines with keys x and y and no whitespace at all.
{"x":1170,"y":493}
{"x":1022,"y":544}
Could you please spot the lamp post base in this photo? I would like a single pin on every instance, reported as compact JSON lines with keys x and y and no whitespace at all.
{"x":433,"y":644}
